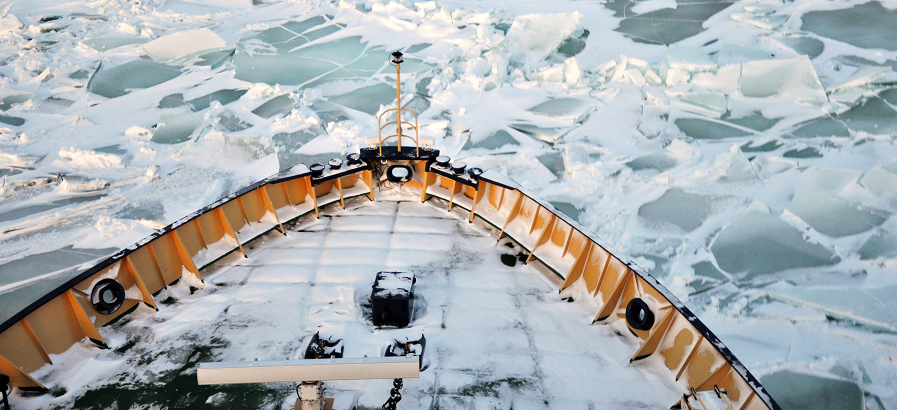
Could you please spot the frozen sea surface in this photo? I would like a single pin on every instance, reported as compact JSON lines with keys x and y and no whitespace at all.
{"x":742,"y":152}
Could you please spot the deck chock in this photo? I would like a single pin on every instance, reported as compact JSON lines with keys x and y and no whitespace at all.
{"x":4,"y":387}
{"x":319,"y":348}
{"x":415,"y":347}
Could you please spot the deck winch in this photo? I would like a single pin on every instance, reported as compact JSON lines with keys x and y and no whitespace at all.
{"x":392,"y":298}
{"x":319,"y":348}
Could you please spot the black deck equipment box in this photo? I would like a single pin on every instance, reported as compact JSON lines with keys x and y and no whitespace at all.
{"x":392,"y":298}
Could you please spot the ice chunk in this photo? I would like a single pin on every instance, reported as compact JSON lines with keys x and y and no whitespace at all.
{"x":185,"y":44}
{"x":881,"y":183}
{"x":497,"y":140}
{"x":663,"y":25}
{"x":735,"y":54}
{"x":674,"y":154}
{"x":868,"y":306}
{"x":228,"y":121}
{"x":765,"y":147}
{"x":172,"y":101}
{"x":572,"y":72}
{"x":280,"y":105}
{"x":882,"y":244}
{"x":553,"y":74}
{"x":733,"y":165}
{"x":713,"y":102}
{"x":803,"y":391}
{"x":822,"y":127}
{"x":367,"y":99}
{"x":659,"y":160}
{"x":817,"y":209}
{"x":9,"y":23}
{"x":758,"y":243}
{"x":705,"y":129}
{"x":690,"y":59}
{"x":176,"y":128}
{"x":550,"y":135}
{"x":343,"y":59}
{"x":863,"y":77}
{"x":874,"y":116}
{"x":683,"y":209}
{"x":769,"y":165}
{"x":87,"y":159}
{"x":537,"y":35}
{"x":807,"y":45}
{"x":570,"y":109}
{"x":791,"y":77}
{"x":764,"y":22}
{"x":120,"y":80}
{"x":10,"y":98}
{"x":222,"y":96}
{"x":755,"y":121}
{"x":842,"y":25}
{"x":103,"y":44}
{"x":554,"y":162}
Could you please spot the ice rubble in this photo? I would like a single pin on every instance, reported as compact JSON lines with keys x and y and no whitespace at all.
{"x":537,"y":35}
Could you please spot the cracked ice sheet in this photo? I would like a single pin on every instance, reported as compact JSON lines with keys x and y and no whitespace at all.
{"x":473,"y":68}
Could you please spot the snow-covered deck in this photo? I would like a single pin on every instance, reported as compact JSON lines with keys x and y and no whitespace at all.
{"x":497,"y":336}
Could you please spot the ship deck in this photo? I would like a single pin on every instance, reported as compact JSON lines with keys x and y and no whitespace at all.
{"x":498,"y":336}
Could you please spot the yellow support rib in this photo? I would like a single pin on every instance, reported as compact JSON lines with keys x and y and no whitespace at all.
{"x":614,"y":298}
{"x":36,"y":341}
{"x":549,"y":227}
{"x":312,"y":194}
{"x":452,"y":195}
{"x":229,"y":229}
{"x":690,"y":356}
{"x":368,"y":177}
{"x":186,"y":260}
{"x":270,"y":207}
{"x":144,"y":292}
{"x":283,"y":185}
{"x":202,"y":238}
{"x":90,"y":331}
{"x":476,"y":198}
{"x":155,"y":260}
{"x":578,"y":267}
{"x":426,"y":184}
{"x":603,"y":272}
{"x":339,"y":188}
{"x":513,"y":214}
{"x":655,"y":336}
{"x":243,"y":210}
{"x":17,"y":377}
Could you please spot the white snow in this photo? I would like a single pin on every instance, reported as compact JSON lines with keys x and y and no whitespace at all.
{"x":118,"y":117}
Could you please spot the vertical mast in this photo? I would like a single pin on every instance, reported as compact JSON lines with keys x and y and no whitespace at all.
{"x":397,"y":60}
